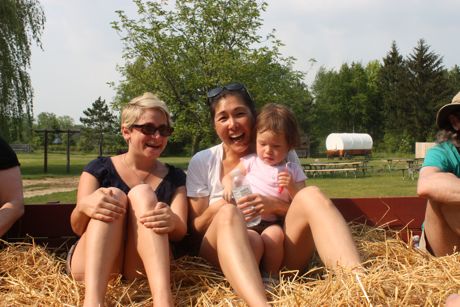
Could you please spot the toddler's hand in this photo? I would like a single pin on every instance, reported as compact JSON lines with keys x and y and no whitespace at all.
{"x":227,"y":194}
{"x":284,"y":180}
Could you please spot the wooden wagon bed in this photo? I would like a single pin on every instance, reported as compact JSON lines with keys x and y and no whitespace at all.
{"x":49,"y":223}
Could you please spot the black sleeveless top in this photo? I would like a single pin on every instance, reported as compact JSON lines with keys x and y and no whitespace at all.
{"x":8,"y":158}
{"x":103,"y":169}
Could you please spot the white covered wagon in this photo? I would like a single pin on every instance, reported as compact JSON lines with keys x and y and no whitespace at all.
{"x":348,"y":144}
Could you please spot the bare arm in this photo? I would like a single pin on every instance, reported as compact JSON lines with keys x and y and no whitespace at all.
{"x":93,"y":202}
{"x":227,"y":184}
{"x":439,"y":186}
{"x":11,"y":198}
{"x":201,"y":213}
{"x":180,"y":209}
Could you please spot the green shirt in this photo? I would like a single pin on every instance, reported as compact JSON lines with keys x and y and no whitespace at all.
{"x":444,"y":156}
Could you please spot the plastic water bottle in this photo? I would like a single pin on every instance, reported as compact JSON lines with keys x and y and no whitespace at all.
{"x":241,"y":188}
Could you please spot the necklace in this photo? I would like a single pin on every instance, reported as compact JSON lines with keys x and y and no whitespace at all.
{"x":142,"y":180}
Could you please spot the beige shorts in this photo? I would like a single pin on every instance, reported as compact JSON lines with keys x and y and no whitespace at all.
{"x":69,"y":258}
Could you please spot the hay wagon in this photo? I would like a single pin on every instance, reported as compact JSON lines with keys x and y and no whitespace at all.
{"x":396,"y":273}
{"x":49,"y":224}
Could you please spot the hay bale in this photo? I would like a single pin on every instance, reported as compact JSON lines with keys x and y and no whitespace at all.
{"x":396,"y":275}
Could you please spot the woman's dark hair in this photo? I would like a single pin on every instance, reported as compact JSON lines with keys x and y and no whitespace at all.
{"x":279,"y":119}
{"x":233,"y":89}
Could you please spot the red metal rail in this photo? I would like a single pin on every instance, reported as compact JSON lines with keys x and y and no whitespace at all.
{"x":50,"y":223}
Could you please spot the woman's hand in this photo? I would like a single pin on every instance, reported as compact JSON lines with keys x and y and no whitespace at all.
{"x":161,"y":219}
{"x":255,"y":204}
{"x":102,"y":205}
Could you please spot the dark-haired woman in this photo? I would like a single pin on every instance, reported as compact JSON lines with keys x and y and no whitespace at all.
{"x":310,"y":220}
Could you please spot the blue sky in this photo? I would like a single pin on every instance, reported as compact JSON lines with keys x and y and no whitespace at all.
{"x":81,"y":50}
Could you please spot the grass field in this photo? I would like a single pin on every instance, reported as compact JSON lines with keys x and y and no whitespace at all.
{"x":378,"y":181}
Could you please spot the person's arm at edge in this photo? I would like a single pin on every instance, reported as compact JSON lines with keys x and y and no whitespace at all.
{"x":12,"y":198}
{"x":438,"y":186}
{"x":78,"y":219}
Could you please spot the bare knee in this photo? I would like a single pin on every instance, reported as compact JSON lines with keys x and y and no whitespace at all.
{"x":119,"y":195}
{"x":310,"y":194}
{"x":312,"y":199}
{"x":228,"y":215}
{"x":142,"y":197}
{"x":273,"y":237}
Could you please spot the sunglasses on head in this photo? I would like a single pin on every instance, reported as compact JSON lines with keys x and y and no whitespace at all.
{"x":150,"y":129}
{"x":229,"y":87}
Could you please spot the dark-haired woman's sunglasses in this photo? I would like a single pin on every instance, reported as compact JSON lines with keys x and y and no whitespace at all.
{"x":150,"y":129}
{"x":229,"y":87}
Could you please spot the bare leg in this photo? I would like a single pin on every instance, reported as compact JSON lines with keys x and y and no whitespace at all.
{"x":313,"y":220}
{"x":98,"y":254}
{"x":226,"y":244}
{"x":442,"y":228}
{"x":152,"y":248}
{"x":273,"y":239}
{"x":256,"y":244}
{"x":453,"y":300}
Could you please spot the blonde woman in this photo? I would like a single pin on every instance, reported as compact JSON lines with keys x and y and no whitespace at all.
{"x":129,"y":207}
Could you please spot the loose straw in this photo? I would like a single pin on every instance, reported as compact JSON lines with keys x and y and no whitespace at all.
{"x":395,"y":274}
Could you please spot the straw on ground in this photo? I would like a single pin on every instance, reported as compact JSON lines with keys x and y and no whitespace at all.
{"x":396,"y":275}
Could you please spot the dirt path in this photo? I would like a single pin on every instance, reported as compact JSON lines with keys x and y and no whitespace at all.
{"x":36,"y":187}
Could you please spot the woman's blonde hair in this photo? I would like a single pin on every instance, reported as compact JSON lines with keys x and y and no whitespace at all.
{"x":134,"y":109}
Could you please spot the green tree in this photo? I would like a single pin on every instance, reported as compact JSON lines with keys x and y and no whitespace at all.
{"x":98,"y":121}
{"x":50,"y":121}
{"x":347,"y":100}
{"x":393,"y":81}
{"x":46,"y":120}
{"x":327,"y":108}
{"x":21,"y":23}
{"x":375,"y":121}
{"x":428,"y":90}
{"x":183,"y":51}
{"x":453,"y":77}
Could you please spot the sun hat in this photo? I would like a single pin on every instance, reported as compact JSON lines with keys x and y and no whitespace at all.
{"x":442,"y":118}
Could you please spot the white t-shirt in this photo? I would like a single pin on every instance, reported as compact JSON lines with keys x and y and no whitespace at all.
{"x":204,"y":169}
